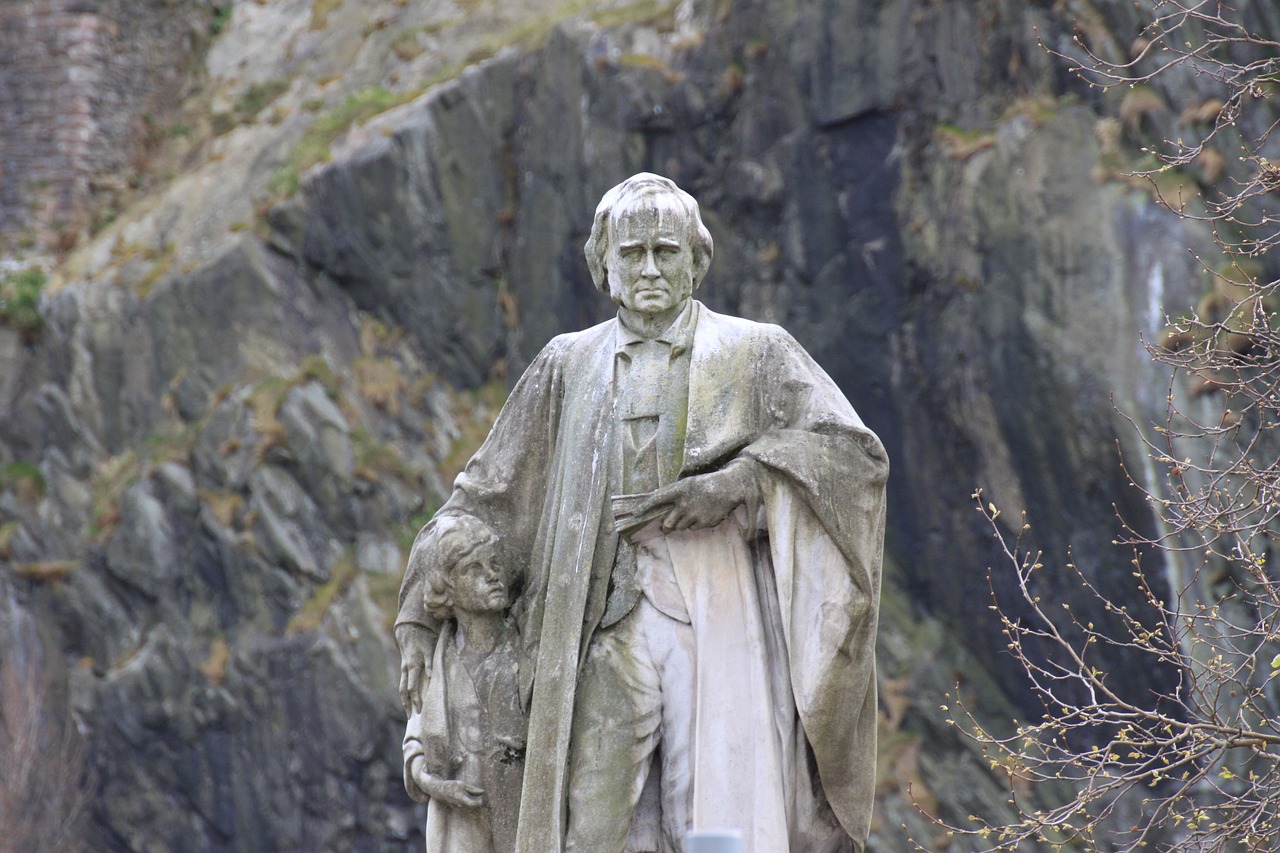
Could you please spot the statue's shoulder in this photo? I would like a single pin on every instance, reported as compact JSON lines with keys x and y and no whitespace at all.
{"x":741,"y":331}
{"x":571,"y":346}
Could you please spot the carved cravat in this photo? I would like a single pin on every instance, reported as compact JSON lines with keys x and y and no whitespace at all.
{"x":644,"y":370}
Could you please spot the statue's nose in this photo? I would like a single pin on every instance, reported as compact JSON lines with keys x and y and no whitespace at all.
{"x":650,"y":267}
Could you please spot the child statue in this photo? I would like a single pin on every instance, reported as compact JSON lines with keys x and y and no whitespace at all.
{"x":464,"y":750}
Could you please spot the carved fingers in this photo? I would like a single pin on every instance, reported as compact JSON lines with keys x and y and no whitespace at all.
{"x":449,"y":791}
{"x":695,"y":502}
{"x":410,"y":677}
{"x":415,"y":662}
{"x":457,"y":794}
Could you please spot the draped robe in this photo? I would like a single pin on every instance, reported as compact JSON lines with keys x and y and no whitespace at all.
{"x":541,"y":480}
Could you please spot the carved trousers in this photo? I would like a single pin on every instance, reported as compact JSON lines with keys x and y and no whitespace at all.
{"x":635,"y":701}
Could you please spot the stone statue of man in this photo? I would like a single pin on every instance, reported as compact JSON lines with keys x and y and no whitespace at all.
{"x":701,"y":515}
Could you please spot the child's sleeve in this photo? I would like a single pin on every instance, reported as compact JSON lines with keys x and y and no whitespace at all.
{"x":413,"y":748}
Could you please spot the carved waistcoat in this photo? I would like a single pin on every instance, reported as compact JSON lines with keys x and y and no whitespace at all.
{"x":651,"y":403}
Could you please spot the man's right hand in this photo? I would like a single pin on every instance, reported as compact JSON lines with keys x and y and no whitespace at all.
{"x":415,"y":664}
{"x":704,"y":500}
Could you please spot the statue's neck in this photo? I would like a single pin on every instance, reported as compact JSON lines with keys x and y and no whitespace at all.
{"x":649,"y":326}
{"x":478,"y":634}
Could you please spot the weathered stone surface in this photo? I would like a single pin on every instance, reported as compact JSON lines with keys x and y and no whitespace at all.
{"x":142,"y":553}
{"x":907,"y":186}
{"x":290,"y":529}
{"x":319,"y":440}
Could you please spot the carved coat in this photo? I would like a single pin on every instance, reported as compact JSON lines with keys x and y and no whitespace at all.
{"x":541,"y":481}
{"x":471,"y":728}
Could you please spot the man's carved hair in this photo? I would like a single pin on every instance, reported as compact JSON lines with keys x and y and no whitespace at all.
{"x":639,"y":191}
{"x":449,"y":541}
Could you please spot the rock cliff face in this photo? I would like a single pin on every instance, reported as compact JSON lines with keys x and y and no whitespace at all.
{"x":250,"y":391}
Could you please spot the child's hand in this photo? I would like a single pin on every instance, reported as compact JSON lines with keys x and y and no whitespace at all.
{"x":415,"y":665}
{"x":457,"y":794}
{"x":450,"y":791}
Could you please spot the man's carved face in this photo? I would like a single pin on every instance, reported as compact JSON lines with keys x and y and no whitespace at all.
{"x":650,"y":261}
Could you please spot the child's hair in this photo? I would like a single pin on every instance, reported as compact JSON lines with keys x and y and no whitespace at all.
{"x":448,"y":542}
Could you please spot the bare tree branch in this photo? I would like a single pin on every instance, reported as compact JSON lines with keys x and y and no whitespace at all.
{"x":1197,"y":767}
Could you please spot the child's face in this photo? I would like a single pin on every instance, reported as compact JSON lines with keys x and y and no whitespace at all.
{"x":476,"y":583}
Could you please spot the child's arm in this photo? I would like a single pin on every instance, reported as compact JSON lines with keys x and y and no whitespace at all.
{"x":414,"y":756}
{"x":421,"y":785}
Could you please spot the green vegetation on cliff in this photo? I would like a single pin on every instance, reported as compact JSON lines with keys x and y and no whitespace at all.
{"x":20,"y":299}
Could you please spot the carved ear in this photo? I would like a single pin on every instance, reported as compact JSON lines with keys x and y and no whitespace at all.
{"x":701,"y":263}
{"x":600,"y":276}
{"x":597,"y":248}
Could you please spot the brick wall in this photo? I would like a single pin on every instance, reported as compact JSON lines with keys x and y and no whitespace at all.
{"x":84,"y":87}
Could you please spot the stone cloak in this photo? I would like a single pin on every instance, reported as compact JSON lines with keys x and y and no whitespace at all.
{"x":540,"y":480}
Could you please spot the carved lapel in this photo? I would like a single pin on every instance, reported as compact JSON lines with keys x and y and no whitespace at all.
{"x":720,"y":368}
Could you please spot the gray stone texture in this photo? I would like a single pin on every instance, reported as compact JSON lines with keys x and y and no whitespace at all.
{"x":221,"y":475}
